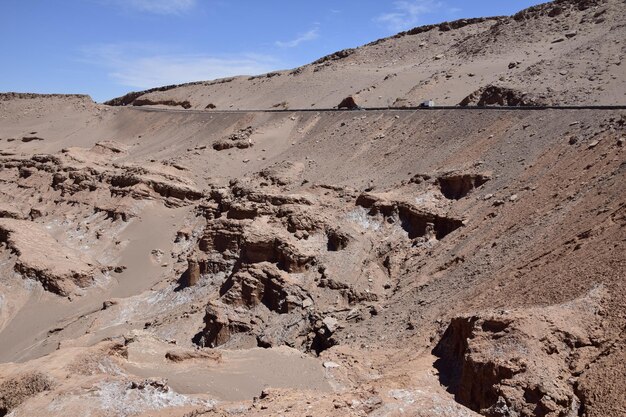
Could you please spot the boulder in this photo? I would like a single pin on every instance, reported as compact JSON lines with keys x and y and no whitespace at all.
{"x":348,"y":103}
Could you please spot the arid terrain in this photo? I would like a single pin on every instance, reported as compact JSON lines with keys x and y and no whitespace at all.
{"x":165,"y":255}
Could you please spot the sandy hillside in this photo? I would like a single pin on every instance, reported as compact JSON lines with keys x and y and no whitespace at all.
{"x":359,"y":263}
{"x":565,"y":52}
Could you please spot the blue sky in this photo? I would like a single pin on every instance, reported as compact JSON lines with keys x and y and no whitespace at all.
{"x":106,"y":48}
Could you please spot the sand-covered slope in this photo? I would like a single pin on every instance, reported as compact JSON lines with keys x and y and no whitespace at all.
{"x":351,"y":246}
{"x":565,"y":52}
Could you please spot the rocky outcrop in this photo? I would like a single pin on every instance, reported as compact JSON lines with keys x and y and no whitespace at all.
{"x":554,"y":9}
{"x":344,"y":53}
{"x":15,"y":390}
{"x":223,"y":236}
{"x":261,"y":306}
{"x":348,"y":103}
{"x":184,"y":355}
{"x":185,"y":104}
{"x":259,"y":246}
{"x":238,"y":243}
{"x":455,"y":186}
{"x":64,"y":174}
{"x":259,"y":240}
{"x":416,"y":221}
{"x":192,"y":275}
{"x":27,"y":139}
{"x":25,"y":96}
{"x":442,"y":27}
{"x":10,"y":212}
{"x":522,"y":363}
{"x":240,"y":140}
{"x":265,"y":284}
{"x":273,"y":250}
{"x":131,"y":97}
{"x":493,"y":95}
{"x":283,"y":173}
{"x":39,"y":256}
{"x":337,"y":240}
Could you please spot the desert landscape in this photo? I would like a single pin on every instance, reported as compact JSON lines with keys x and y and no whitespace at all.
{"x":241,"y":247}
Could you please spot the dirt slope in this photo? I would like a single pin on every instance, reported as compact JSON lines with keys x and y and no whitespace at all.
{"x":348,"y":236}
{"x":565,"y":52}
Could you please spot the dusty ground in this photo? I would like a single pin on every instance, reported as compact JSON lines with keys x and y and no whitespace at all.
{"x":428,"y":263}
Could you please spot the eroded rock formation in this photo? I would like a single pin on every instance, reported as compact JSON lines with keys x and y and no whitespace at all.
{"x":493,"y":95}
{"x":523,"y":363}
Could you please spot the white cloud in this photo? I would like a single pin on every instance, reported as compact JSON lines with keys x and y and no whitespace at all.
{"x":141,"y":66}
{"x":163,"y":7}
{"x":304,"y":37}
{"x":407,"y":13}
